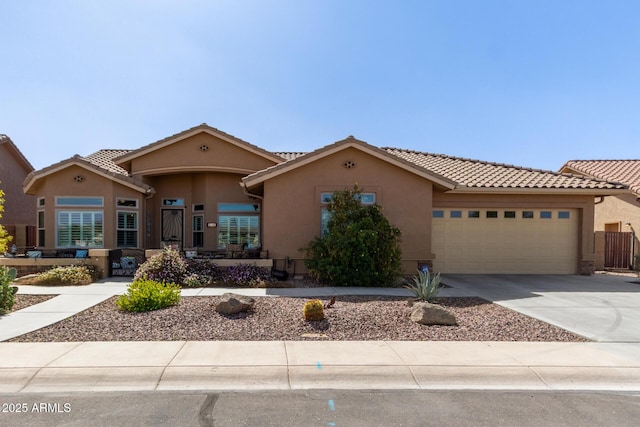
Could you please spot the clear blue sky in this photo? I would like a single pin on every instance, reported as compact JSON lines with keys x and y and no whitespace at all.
{"x":531,"y":83}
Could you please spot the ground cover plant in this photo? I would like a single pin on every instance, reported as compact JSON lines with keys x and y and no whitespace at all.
{"x":69,"y":275}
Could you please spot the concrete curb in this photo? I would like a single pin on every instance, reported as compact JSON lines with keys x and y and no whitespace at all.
{"x":300,"y":365}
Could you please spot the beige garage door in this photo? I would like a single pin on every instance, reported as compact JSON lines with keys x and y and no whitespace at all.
{"x":505,"y":241}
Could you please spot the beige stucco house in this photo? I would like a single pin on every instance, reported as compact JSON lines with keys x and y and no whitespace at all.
{"x":617,"y":214}
{"x":206,"y":190}
{"x":18,"y":215}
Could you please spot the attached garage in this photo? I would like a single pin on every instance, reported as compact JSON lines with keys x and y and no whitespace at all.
{"x":505,"y":241}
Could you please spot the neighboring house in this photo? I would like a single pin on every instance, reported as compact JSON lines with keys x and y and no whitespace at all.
{"x":617,"y":214}
{"x":205,"y":189}
{"x":19,"y":208}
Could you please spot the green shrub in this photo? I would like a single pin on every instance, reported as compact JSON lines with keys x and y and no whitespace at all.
{"x":148,"y":295}
{"x":167,"y":266}
{"x":7,"y":292}
{"x":360,"y":247}
{"x":425,"y":287}
{"x":67,"y":275}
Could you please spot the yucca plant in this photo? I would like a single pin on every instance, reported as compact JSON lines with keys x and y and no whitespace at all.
{"x":425,"y":287}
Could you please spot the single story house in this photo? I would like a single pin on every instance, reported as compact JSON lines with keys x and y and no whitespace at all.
{"x":616,"y":218}
{"x":205,"y":190}
{"x":17,"y":218}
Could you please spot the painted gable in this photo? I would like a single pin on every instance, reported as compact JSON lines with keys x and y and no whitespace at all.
{"x":199,"y":152}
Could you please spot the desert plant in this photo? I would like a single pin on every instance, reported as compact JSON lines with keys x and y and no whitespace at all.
{"x":148,"y":295}
{"x":5,"y":238}
{"x":201,"y":273}
{"x":245,"y":275}
{"x":360,"y":247}
{"x":313,"y":310}
{"x":7,"y":292}
{"x":425,"y":287}
{"x":167,"y":266}
{"x":67,"y":275}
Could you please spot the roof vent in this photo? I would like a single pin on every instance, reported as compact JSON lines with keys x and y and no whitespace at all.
{"x":78,"y":178}
{"x":204,"y":147}
{"x":349,"y":164}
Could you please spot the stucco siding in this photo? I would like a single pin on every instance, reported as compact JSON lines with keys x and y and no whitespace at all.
{"x":292,"y":210}
{"x":19,"y":208}
{"x":199,"y":152}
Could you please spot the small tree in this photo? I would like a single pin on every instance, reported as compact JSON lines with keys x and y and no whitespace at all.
{"x":360,"y":247}
{"x":4,"y":237}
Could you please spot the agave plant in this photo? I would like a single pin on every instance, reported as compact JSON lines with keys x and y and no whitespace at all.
{"x":425,"y":287}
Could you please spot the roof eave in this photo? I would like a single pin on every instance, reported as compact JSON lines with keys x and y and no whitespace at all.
{"x":547,"y":191}
{"x":127,"y":158}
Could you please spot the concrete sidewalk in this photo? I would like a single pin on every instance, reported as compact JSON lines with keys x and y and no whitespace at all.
{"x":291,"y":365}
{"x":295,"y":365}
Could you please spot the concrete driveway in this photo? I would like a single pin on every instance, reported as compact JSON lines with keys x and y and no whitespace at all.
{"x":601,"y":307}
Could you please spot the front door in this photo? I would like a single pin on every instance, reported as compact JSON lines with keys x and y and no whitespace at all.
{"x":172,"y":227}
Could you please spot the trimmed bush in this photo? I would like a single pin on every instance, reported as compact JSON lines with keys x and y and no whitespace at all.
{"x":360,"y":247}
{"x":7,"y":292}
{"x":313,"y":310}
{"x":71,"y":275}
{"x":147,"y":295}
{"x":167,"y":266}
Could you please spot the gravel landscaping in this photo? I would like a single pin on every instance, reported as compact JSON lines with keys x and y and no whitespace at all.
{"x":24,"y":301}
{"x":280,"y":318}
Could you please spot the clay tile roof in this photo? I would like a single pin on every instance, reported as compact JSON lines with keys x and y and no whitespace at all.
{"x":624,"y":171}
{"x":290,"y":155}
{"x":471,"y":173}
{"x":104,"y":160}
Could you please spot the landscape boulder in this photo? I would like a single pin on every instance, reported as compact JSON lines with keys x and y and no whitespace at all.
{"x":233,"y":303}
{"x":431,"y":314}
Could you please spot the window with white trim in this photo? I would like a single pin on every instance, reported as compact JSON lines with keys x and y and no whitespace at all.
{"x":198,"y":231}
{"x":127,"y":229}
{"x":41,"y":232}
{"x":79,"y":229}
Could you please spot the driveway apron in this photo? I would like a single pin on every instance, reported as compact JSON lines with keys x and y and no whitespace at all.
{"x":601,"y":307}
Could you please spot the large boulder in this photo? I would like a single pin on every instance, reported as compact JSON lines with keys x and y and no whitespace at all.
{"x":233,"y":303}
{"x":431,"y":314}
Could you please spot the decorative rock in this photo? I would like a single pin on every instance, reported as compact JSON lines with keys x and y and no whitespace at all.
{"x":431,"y":314}
{"x":233,"y":303}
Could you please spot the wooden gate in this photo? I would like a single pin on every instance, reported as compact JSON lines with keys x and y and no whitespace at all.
{"x":617,"y":249}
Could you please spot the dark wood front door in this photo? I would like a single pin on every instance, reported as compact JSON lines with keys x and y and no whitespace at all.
{"x":617,"y":249}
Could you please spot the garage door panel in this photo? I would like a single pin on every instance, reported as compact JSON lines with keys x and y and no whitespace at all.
{"x":546,"y":243}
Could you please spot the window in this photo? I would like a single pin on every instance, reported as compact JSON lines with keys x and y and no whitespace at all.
{"x":198,"y":208}
{"x":172,"y":202}
{"x":365,"y":198}
{"x":474,"y":214}
{"x":545,"y":214}
{"x":527,"y":214}
{"x":79,"y":201}
{"x":127,"y":230}
{"x":198,"y":231}
{"x":126,"y":203}
{"x":84,"y":229}
{"x":238,"y":207}
{"x":238,"y":230}
{"x":325,"y":216}
{"x":41,"y":241}
{"x":564,"y":214}
{"x":455,"y":214}
{"x":492,"y":214}
{"x":41,"y":201}
{"x":509,"y":214}
{"x":437,"y":214}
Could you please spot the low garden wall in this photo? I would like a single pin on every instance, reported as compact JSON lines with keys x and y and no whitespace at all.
{"x":26,"y":265}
